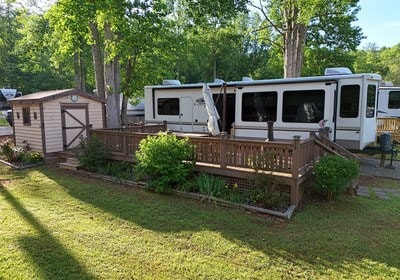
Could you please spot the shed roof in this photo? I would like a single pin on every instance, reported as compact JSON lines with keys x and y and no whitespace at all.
{"x":42,"y":96}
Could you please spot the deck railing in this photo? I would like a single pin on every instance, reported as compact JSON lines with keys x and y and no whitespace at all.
{"x":294,"y":157}
{"x":291,"y":159}
{"x":389,"y":125}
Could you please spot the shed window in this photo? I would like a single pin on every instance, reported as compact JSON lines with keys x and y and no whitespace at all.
{"x":303,"y":106}
{"x":259,"y":106}
{"x":168,"y":106}
{"x":350,"y":101}
{"x":394,"y":99}
{"x":26,"y":116}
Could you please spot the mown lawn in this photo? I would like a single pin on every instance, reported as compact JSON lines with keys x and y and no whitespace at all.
{"x":57,"y":225}
{"x":3,"y":120}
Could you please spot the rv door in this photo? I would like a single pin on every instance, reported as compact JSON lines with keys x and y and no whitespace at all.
{"x":186,"y":114}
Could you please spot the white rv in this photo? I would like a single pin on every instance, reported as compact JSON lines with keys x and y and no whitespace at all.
{"x":5,"y":95}
{"x":344,"y":103}
{"x":389,"y":102}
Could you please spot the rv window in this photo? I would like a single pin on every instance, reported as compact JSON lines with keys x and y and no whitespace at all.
{"x":26,"y":116}
{"x":349,"y":101}
{"x":371,"y":94}
{"x":168,"y":106}
{"x":259,"y":106}
{"x":394,"y":100}
{"x":303,"y":106}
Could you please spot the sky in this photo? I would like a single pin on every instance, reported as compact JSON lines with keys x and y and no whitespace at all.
{"x":380,"y":22}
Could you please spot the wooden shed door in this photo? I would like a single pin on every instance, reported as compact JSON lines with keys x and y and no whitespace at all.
{"x":75,"y":121}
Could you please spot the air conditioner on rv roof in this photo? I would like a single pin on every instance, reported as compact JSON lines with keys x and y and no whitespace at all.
{"x":337,"y":71}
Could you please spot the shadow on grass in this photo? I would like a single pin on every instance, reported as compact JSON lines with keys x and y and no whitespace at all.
{"x":330,"y":238}
{"x":50,"y":256}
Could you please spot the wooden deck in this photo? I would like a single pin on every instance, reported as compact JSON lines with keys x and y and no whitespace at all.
{"x":389,"y":125}
{"x":290,"y":161}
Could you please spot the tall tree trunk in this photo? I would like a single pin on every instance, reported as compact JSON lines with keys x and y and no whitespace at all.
{"x":111,"y":73}
{"x":294,"y":42}
{"x":125,"y":99}
{"x":97,"y":61}
{"x":78,"y":70}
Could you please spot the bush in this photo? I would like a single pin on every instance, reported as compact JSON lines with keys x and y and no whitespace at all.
{"x":267,"y":193}
{"x":92,"y":155}
{"x":119,"y":170}
{"x":19,"y":154}
{"x":210,"y":186}
{"x":332,"y":174}
{"x":164,"y":161}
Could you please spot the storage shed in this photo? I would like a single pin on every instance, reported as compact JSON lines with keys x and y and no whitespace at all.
{"x":53,"y":121}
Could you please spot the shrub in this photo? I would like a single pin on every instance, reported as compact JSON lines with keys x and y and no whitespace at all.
{"x":210,"y":186}
{"x":19,"y":154}
{"x":232,"y":193}
{"x":267,"y":192}
{"x":164,"y":161}
{"x":119,"y":170}
{"x":92,"y":155}
{"x":32,"y":158}
{"x":332,"y":174}
{"x":7,"y":151}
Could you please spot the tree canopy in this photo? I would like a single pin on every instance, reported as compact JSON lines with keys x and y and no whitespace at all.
{"x":116,"y":47}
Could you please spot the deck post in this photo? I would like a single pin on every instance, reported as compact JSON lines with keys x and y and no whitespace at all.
{"x":294,"y":188}
{"x":222,"y":149}
{"x":270,"y":136}
{"x":124,"y":143}
{"x":165,"y":126}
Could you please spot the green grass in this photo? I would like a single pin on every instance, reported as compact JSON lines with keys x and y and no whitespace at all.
{"x":57,"y":225}
{"x":3,"y":121}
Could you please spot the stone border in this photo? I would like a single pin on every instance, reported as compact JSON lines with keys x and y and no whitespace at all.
{"x":20,"y":167}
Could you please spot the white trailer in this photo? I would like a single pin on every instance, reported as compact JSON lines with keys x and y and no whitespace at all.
{"x":7,"y":94}
{"x":346,"y":104}
{"x":389,"y":102}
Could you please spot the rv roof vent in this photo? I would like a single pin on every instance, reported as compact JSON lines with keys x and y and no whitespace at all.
{"x":218,"y":81}
{"x":337,"y":71}
{"x":171,"y":82}
{"x":246,"y":79}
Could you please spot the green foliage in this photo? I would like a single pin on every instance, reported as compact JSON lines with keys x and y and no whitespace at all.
{"x":214,"y":187}
{"x":332,"y":174}
{"x":92,"y":155}
{"x":265,"y":160}
{"x":21,"y":155}
{"x":267,"y":193}
{"x":210,"y":186}
{"x":164,"y":161}
{"x":119,"y":170}
{"x":189,"y":185}
{"x":32,"y":157}
{"x":231,"y":192}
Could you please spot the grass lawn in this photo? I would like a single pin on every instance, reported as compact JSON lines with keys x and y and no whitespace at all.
{"x":3,"y":121}
{"x":57,"y":225}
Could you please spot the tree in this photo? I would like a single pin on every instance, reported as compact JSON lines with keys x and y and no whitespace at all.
{"x":310,"y":22}
{"x":40,"y":68}
{"x":8,"y":61}
{"x":390,"y":58}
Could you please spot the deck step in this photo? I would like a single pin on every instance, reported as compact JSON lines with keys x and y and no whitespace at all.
{"x":70,"y":164}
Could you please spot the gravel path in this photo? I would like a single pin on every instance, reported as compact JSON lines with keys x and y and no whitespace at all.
{"x":371,"y":167}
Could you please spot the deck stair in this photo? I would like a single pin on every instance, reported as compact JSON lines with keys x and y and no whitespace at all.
{"x":334,"y":148}
{"x":70,"y":164}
